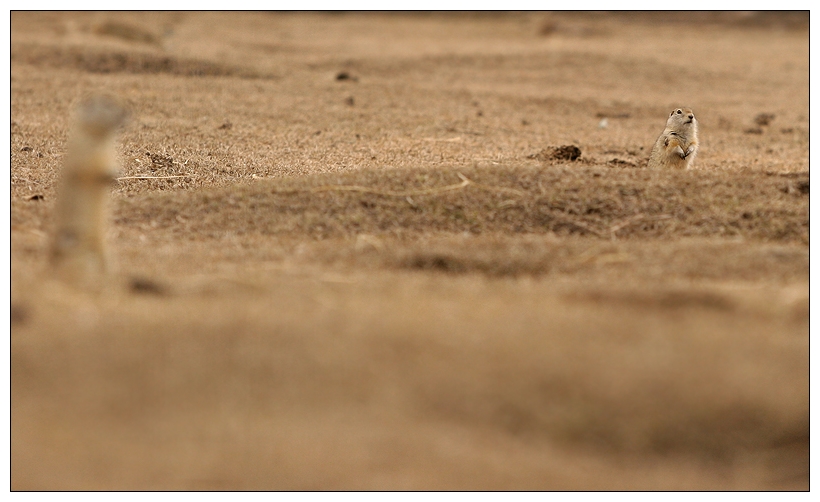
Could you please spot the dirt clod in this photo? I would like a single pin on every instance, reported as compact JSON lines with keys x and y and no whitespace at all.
{"x":18,"y":314}
{"x":557,"y":153}
{"x":159,"y":161}
{"x":143,"y":285}
{"x":764,"y":119}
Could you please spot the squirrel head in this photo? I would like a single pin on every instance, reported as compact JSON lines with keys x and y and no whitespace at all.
{"x":100,"y":115}
{"x":681,"y":119}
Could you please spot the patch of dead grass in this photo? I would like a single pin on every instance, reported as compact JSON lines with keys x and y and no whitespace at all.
{"x":112,"y":61}
{"x":599,"y":202}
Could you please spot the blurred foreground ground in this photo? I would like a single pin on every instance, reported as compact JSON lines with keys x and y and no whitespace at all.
{"x":377,"y":272}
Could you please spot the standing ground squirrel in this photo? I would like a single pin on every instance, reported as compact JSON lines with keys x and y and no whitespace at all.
{"x":678,"y":144}
{"x":78,"y":248}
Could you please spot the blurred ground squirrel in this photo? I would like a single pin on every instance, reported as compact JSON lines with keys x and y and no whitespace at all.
{"x":78,"y":250}
{"x":678,"y":144}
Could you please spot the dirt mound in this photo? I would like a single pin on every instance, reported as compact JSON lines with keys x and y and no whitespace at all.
{"x":558,"y":153}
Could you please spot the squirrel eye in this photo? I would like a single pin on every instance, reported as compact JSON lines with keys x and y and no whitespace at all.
{"x":679,"y":112}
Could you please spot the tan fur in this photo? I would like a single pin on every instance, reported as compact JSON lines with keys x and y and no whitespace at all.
{"x":78,"y":250}
{"x":677,"y":146}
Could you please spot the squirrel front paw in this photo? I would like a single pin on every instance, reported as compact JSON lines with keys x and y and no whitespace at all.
{"x":679,"y":152}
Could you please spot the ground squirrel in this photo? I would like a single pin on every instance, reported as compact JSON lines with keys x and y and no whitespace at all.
{"x":678,"y":144}
{"x":78,"y":249}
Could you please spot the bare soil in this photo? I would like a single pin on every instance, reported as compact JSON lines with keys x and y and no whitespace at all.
{"x":417,"y":251}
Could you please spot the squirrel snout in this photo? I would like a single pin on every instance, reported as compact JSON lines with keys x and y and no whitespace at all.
{"x":691,"y":116}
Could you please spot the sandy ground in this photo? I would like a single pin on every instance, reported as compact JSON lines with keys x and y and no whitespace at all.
{"x":357,"y":258}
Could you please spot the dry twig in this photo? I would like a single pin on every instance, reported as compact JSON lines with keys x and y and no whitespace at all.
{"x":153,"y":177}
{"x":465,"y":182}
{"x":635,"y":219}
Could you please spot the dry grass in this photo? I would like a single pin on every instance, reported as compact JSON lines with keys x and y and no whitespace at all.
{"x":567,"y":200}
